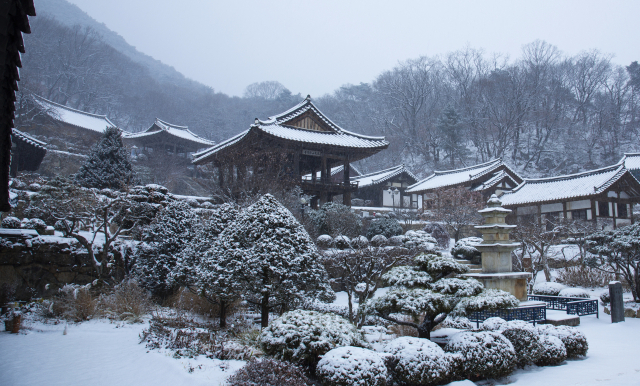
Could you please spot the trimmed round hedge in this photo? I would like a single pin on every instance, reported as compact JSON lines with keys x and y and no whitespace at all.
{"x":485,"y":354}
{"x":419,"y":361}
{"x":352,"y":366}
{"x":554,"y":351}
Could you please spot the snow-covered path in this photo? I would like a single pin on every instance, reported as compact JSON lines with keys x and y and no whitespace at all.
{"x":98,"y":353}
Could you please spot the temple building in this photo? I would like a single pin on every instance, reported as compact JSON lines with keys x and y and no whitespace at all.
{"x":386,"y":188}
{"x":67,"y":128}
{"x":493,"y":177}
{"x":166,"y":137}
{"x":605,"y":196}
{"x":285,"y":147}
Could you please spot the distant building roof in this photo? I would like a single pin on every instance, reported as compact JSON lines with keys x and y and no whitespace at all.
{"x":450,"y":178}
{"x":631,"y":161}
{"x":303,"y":123}
{"x":161,"y":127}
{"x":77,"y":118}
{"x":583,"y":184}
{"x":381,"y":176}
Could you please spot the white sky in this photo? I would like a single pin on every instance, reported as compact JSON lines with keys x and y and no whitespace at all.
{"x":314,"y":47}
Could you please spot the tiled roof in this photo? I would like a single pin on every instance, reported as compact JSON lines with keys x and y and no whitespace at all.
{"x":441,"y":179}
{"x":28,"y":139}
{"x":160,"y":126}
{"x":381,"y":176}
{"x":631,"y":161}
{"x":93,"y":122}
{"x":496,"y":178}
{"x":562,"y":187}
{"x":277,"y":126}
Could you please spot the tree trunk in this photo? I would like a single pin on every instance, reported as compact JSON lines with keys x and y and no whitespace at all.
{"x":264,"y":310}
{"x":223,"y":314}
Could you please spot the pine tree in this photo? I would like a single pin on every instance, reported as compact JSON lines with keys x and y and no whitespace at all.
{"x":451,"y":130}
{"x":428,"y":291}
{"x":271,"y":255}
{"x":108,"y":165}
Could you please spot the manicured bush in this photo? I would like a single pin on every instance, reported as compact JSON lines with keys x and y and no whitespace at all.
{"x":459,"y":322}
{"x":548,"y":288}
{"x":420,"y":241}
{"x":35,"y":223}
{"x":439,"y":232}
{"x":268,"y":372}
{"x":397,"y":241}
{"x":359,"y":242}
{"x":465,"y":249}
{"x":526,"y":343}
{"x":484,"y":354}
{"x":384,"y":226}
{"x":575,"y":293}
{"x":324,"y":241}
{"x":554,"y":352}
{"x":350,"y":366}
{"x":605,"y":298}
{"x":574,"y":340}
{"x":492,"y":324}
{"x":11,"y":222}
{"x":341,"y":242}
{"x":303,"y":336}
{"x":379,"y":241}
{"x":419,"y":361}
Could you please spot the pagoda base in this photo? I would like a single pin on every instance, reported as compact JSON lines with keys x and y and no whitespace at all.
{"x":513,"y":282}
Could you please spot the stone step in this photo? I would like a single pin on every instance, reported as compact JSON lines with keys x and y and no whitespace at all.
{"x":475,"y":270}
{"x":462,"y":261}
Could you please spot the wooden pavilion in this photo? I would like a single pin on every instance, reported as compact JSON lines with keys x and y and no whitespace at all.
{"x":168,"y":138}
{"x":285,"y":147}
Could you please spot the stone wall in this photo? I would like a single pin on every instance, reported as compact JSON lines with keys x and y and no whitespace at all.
{"x":38,"y":267}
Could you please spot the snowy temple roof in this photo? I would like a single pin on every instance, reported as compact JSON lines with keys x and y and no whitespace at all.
{"x":381,"y":176}
{"x":303,"y":123}
{"x":495,"y":179}
{"x":28,"y":139}
{"x":159,"y":127}
{"x":77,"y":118}
{"x":631,"y":161}
{"x":583,"y":184}
{"x":442,"y":179}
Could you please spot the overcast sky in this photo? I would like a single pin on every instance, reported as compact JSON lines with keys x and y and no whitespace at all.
{"x":314,"y":47}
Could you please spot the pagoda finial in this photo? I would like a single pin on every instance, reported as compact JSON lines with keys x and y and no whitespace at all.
{"x":494,"y":202}
{"x":256,"y":121}
{"x":308,"y":97}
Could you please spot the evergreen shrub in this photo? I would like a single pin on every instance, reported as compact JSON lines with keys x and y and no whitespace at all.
{"x":350,"y":366}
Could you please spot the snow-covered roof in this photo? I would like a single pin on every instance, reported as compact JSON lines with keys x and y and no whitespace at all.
{"x":289,"y":126}
{"x":28,"y":139}
{"x":583,"y":184}
{"x":381,"y":176}
{"x":496,"y":178}
{"x":631,"y":161}
{"x":77,"y":118}
{"x":334,"y":170}
{"x":160,"y":126}
{"x":441,"y":179}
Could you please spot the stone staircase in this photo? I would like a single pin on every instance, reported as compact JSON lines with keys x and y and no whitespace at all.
{"x":473,"y":268}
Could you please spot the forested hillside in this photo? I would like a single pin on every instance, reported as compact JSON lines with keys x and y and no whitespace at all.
{"x":544,"y":112}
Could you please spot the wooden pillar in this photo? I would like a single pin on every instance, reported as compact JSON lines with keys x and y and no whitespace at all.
{"x":313,"y":175}
{"x":539,"y":215}
{"x":631,"y":212}
{"x":296,"y":165}
{"x":323,"y":171}
{"x":328,"y":174}
{"x":221,"y":176}
{"x":564,"y":209}
{"x":614,"y":212}
{"x":346,"y":196}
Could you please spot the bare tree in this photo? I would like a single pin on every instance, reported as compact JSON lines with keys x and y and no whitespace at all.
{"x":457,"y":208}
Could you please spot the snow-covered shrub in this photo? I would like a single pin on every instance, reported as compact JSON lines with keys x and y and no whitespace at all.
{"x":379,"y":241}
{"x":341,"y":242}
{"x":384,"y":226}
{"x":459,"y":322}
{"x":407,"y":276}
{"x":574,"y":293}
{"x":526,"y":343}
{"x":605,"y":298}
{"x":554,"y":352}
{"x":574,"y":340}
{"x":334,"y":219}
{"x":35,"y":223}
{"x":324,"y":241}
{"x":352,"y":366}
{"x":484,"y":354}
{"x":465,"y":249}
{"x":419,"y":361}
{"x":11,"y":222}
{"x":548,"y":288}
{"x":303,"y":336}
{"x":75,"y":302}
{"x":459,"y":287}
{"x":439,"y":232}
{"x":492,"y":324}
{"x":127,"y":302}
{"x":192,"y":202}
{"x":34,"y":187}
{"x":359,"y":242}
{"x":489,"y":299}
{"x":420,"y":241}
{"x":268,"y":372}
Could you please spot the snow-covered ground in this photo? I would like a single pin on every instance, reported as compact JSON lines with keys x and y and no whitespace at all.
{"x":103,"y":353}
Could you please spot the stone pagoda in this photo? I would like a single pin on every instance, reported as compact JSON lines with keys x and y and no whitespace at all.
{"x":496,"y":251}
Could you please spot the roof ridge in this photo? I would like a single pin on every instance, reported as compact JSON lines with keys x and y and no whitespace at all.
{"x":171,"y":124}
{"x":575,"y":175}
{"x":444,"y":172}
{"x":380,"y":171}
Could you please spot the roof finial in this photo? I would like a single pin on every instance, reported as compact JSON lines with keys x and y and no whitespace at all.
{"x":308,"y":98}
{"x":256,"y":121}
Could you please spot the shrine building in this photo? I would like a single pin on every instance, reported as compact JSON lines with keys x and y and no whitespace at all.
{"x":168,"y":138}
